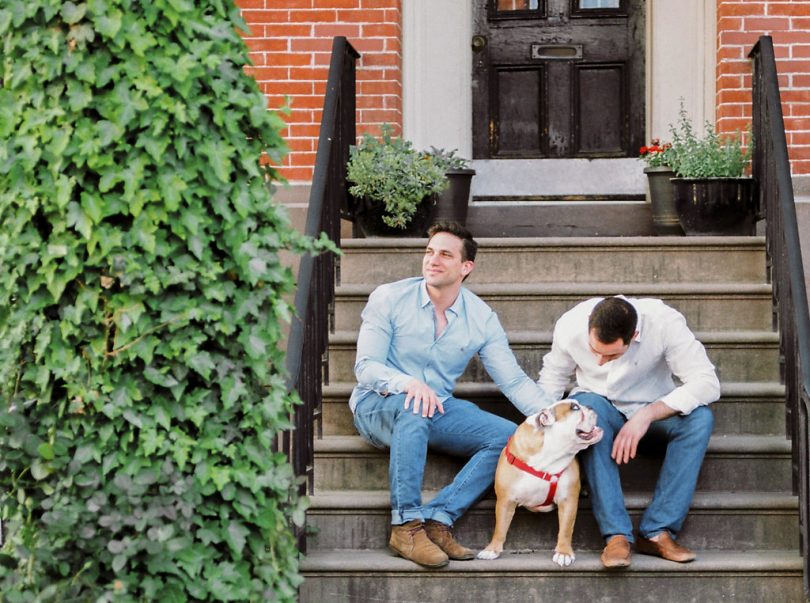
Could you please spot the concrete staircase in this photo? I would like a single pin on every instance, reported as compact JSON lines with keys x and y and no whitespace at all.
{"x":744,"y":519}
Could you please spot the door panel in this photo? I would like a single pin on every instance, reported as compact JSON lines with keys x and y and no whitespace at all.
{"x":600,"y":111}
{"x":558,"y":78}
{"x":519,"y":93}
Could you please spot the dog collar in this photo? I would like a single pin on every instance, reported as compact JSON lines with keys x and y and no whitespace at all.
{"x":552,"y":478}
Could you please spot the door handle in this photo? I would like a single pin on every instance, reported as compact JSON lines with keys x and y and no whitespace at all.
{"x":478,"y":43}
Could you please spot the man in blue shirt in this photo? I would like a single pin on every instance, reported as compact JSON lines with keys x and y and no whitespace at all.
{"x":416,"y":339}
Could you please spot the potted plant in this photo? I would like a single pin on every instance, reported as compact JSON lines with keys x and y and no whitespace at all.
{"x":452,"y":203}
{"x":659,"y":173}
{"x":712,"y":195}
{"x":394,"y":185}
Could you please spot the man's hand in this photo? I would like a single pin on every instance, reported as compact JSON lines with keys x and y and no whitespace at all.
{"x":625,"y":444}
{"x":423,"y":397}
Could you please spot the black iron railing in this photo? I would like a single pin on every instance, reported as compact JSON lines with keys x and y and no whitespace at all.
{"x":772,"y":170}
{"x":307,"y":346}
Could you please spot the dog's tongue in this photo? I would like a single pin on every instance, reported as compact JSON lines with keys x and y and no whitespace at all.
{"x":589,"y":435}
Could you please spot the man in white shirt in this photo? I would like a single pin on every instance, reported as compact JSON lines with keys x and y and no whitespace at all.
{"x":624,"y":353}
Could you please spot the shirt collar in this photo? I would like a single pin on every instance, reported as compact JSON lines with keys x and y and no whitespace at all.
{"x":639,"y":321}
{"x":424,"y":299}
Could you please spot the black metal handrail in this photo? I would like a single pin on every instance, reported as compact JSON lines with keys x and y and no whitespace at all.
{"x":307,"y":345}
{"x":771,"y":168}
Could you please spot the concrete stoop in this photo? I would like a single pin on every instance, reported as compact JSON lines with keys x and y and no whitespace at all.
{"x":744,"y":518}
{"x":366,"y":576}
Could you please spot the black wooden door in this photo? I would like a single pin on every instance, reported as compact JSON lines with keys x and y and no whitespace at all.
{"x":558,"y":78}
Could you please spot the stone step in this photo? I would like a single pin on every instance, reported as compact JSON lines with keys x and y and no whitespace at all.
{"x":737,"y":355}
{"x":744,"y":408}
{"x":732,"y":463}
{"x":537,"y":306}
{"x":581,"y":259}
{"x":743,"y":576}
{"x":717,"y":520}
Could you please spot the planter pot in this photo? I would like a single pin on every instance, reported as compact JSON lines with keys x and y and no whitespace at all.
{"x":369,"y":219}
{"x":715,"y":206}
{"x":665,"y":218}
{"x":453,"y":202}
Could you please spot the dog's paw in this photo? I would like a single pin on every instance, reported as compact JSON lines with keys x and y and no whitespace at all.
{"x":488,"y":555}
{"x":563,"y":560}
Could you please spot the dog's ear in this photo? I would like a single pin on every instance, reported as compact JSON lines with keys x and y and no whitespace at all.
{"x":546,"y":417}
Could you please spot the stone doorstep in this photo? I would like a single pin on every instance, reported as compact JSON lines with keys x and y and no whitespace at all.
{"x":733,"y":462}
{"x":719,"y":520}
{"x":348,"y":576}
{"x":744,"y":389}
{"x":363,"y":562}
{"x":750,"y":501}
{"x":725,"y":444}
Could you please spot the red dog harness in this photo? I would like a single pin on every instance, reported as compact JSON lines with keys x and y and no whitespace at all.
{"x":552,"y":478}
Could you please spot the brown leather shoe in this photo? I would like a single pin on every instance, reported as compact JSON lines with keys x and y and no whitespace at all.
{"x":665,"y":547}
{"x":442,"y":537}
{"x":410,"y":541}
{"x":617,"y":552}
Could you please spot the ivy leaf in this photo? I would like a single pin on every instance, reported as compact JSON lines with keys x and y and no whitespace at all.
{"x":109,"y":24}
{"x":202,"y":363}
{"x":236,"y":536}
{"x":219,"y":157}
{"x":5,"y":20}
{"x":73,"y":13}
{"x":40,"y":470}
{"x":46,"y":452}
{"x":79,"y":220}
{"x":93,"y":208}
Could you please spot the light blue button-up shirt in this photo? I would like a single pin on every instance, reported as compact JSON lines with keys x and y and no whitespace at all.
{"x":397,"y":343}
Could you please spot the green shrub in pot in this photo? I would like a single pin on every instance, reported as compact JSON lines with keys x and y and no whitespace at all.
{"x":711,"y":193}
{"x":388,"y":171}
{"x":709,"y":156}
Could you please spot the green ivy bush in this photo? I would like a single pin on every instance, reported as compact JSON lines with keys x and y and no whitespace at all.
{"x":141,"y":309}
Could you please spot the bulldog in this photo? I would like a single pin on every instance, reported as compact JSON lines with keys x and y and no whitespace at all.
{"x":537,"y":470}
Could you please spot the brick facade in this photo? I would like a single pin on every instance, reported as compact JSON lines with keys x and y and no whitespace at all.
{"x":739,"y":24}
{"x":290,"y":42}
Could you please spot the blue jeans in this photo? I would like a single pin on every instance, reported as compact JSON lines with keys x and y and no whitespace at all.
{"x":463,"y":430}
{"x":687,"y":438}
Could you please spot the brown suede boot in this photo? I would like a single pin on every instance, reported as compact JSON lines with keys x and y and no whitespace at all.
{"x":442,"y":537}
{"x":410,"y":541}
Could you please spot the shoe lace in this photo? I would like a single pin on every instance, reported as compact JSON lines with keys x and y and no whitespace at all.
{"x":413,"y":530}
{"x":440,"y":530}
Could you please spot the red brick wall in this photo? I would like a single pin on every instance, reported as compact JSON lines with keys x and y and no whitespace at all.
{"x":290,"y":43}
{"x":739,"y":25}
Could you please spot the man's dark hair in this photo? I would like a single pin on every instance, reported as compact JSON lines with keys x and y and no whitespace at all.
{"x":470,"y":247}
{"x":613,"y":318}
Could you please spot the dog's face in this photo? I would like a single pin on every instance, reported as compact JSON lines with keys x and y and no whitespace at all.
{"x":567,"y":424}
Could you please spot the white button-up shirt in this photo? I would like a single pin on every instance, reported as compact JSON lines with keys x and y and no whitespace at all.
{"x":664,"y":347}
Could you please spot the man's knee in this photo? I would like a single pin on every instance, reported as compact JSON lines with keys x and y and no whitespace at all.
{"x":503,"y":431}
{"x":407,"y":419}
{"x":593,"y":401}
{"x":701,"y":421}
